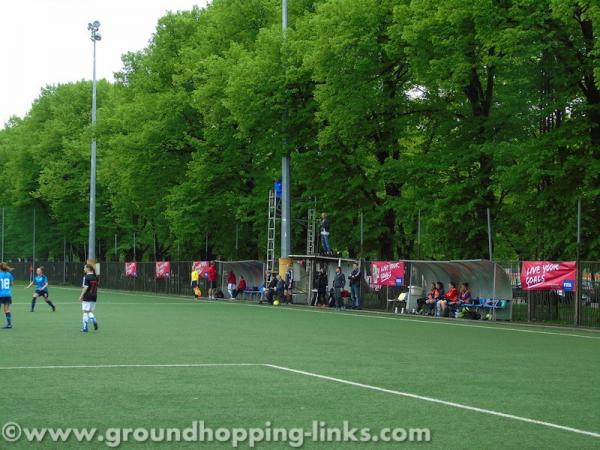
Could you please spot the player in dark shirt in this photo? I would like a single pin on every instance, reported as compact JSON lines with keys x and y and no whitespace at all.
{"x":88,"y":297}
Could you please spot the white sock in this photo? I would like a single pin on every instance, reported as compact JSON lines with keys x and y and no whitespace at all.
{"x":85,"y":320}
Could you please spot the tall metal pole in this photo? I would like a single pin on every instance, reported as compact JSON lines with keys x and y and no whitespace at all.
{"x":578,"y":224}
{"x":237,"y":235}
{"x":489,"y":225}
{"x":95,"y":36}
{"x":155,"y":247}
{"x":419,"y":235}
{"x":285,"y":162}
{"x":116,"y":251}
{"x":578,"y":267}
{"x":2,"y":256}
{"x":134,"y":258}
{"x":362,"y":233}
{"x":33,"y":260}
{"x":64,"y":258}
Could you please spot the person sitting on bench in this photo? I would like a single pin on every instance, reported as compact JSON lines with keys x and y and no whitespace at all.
{"x":465,"y":294}
{"x":271,"y":287}
{"x":450,"y":298}
{"x":435,"y":294}
{"x":241,"y":287}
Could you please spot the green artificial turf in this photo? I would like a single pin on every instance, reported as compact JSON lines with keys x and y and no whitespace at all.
{"x":546,"y":374}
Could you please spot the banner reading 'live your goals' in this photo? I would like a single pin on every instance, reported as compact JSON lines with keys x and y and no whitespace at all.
{"x":387,"y":273}
{"x":548,"y":275}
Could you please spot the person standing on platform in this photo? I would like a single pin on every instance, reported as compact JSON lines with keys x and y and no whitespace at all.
{"x":324,"y":228}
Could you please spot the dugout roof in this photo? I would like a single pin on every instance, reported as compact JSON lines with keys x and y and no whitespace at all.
{"x":478,"y":273}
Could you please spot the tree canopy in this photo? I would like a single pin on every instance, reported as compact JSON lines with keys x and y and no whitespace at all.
{"x":389,"y":109}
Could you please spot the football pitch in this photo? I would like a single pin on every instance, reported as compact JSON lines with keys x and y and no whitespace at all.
{"x":164,"y":362}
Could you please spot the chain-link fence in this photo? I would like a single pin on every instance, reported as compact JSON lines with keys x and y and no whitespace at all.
{"x":558,"y":307}
{"x":545,"y":307}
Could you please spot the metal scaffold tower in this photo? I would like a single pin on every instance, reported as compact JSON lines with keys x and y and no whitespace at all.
{"x":310,"y":249}
{"x":311,"y":232}
{"x":271,"y":231}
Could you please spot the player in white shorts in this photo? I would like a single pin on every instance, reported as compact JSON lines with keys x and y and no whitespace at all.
{"x":88,"y":297}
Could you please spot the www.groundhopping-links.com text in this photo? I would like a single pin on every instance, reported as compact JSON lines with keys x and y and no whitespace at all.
{"x":319,"y":431}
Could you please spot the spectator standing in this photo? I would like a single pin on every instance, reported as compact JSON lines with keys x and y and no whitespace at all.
{"x":231,"y":283}
{"x":339,"y":282}
{"x":195,"y":276}
{"x":289,"y":284}
{"x":355,"y":284}
{"x":212,"y":280}
{"x":322,"y":282}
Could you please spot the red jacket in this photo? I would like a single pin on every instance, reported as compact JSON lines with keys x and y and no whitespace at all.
{"x":434,"y":294}
{"x":242,"y":285}
{"x":452,"y":295}
{"x":231,"y":278}
{"x":212,"y":273}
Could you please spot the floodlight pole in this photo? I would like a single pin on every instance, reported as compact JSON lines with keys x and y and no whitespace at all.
{"x":419,"y":235}
{"x":95,"y":36}
{"x":2,"y":257}
{"x":33,"y":246}
{"x":489,"y":227}
{"x":285,"y":163}
{"x":578,"y":271}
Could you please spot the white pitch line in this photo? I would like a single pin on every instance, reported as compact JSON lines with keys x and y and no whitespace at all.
{"x":368,"y":315}
{"x":327,"y":378}
{"x":112,"y":303}
{"x":371,"y":315}
{"x":177,"y":297}
{"x":435,"y":400}
{"x":130,"y":366}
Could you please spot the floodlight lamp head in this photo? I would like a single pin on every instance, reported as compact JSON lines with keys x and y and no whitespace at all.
{"x":97,"y":37}
{"x":96,"y":24}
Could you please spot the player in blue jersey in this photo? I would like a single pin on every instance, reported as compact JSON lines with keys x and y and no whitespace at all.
{"x":6,"y":282}
{"x":41,"y":288}
{"x":88,"y":297}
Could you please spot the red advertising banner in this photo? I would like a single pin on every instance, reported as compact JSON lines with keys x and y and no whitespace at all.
{"x":163,"y":269}
{"x":548,"y":275}
{"x":131,"y":269}
{"x":387,"y":273}
{"x":202,"y":267}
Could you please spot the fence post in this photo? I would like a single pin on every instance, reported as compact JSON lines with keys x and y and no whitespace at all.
{"x":577,"y":318}
{"x":578,"y":267}
{"x":64,"y":259}
{"x":528,"y":306}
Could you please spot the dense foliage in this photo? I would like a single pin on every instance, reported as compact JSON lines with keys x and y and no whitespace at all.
{"x":388,"y":108}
